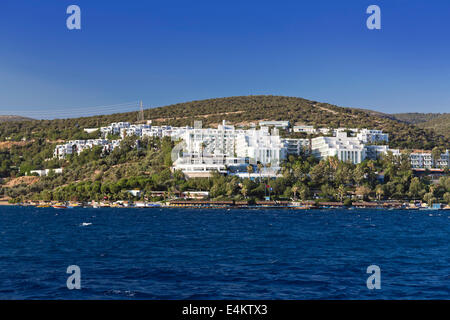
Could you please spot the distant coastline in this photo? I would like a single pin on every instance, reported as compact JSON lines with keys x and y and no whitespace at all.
{"x":206,"y":204}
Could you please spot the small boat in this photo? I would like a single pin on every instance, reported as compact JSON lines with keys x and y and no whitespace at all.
{"x":57,"y":206}
{"x":43,"y":206}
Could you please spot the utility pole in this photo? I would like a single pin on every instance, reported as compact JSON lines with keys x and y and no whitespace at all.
{"x":141,"y":113}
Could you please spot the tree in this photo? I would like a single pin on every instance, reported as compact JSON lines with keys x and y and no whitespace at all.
{"x":244,"y":191}
{"x":294,"y":190}
{"x":379,"y":191}
{"x":436,"y":155}
{"x":415,"y":187}
{"x":359,"y":174}
{"x":341,"y":192}
{"x":249,"y":170}
{"x":445,"y":183}
{"x":231,"y":187}
{"x":446,"y":197}
{"x":429,"y":198}
{"x":363,"y":192}
{"x":202,"y":148}
{"x":260,"y":167}
{"x":304,"y":192}
{"x":217,"y":190}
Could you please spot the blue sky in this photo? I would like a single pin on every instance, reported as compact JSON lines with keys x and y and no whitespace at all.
{"x":165,"y":52}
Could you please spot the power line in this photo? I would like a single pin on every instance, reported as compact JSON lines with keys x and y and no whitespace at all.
{"x":79,"y":111}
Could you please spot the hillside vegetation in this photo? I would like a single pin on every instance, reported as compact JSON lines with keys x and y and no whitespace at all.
{"x":237,"y":110}
{"x":13,"y":118}
{"x":415,"y":117}
{"x":29,"y":145}
{"x":440,"y":125}
{"x":439,"y":122}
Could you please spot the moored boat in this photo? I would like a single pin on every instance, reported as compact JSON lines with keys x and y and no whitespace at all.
{"x":59,"y":206}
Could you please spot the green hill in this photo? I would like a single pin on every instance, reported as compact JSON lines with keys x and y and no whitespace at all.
{"x":9,"y":118}
{"x":439,"y":122}
{"x":29,"y":145}
{"x":440,"y":125}
{"x":416,"y":117}
{"x":237,"y":110}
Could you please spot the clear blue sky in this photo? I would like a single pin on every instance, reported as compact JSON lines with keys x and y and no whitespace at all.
{"x":165,"y":52}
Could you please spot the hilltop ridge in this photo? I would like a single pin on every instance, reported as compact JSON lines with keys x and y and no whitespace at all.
{"x":239,"y":110}
{"x":6,"y":118}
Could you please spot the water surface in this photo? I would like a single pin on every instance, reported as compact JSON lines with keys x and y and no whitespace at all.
{"x":223,"y":254}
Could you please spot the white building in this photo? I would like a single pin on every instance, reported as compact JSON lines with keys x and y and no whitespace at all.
{"x":324,"y":130}
{"x":350,"y":131}
{"x":227,"y":149}
{"x":343,"y":147}
{"x":372,"y":136}
{"x":207,"y":149}
{"x":45,"y":172}
{"x":423,"y":159}
{"x":297,"y":147}
{"x":276,"y":124}
{"x":260,"y":146}
{"x":114,"y":128}
{"x":90,"y":130}
{"x":304,"y":128}
{"x":376,"y":151}
{"x":78,"y":146}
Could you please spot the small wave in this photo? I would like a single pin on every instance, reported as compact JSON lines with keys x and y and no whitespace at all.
{"x":127,"y":293}
{"x":84,"y":224}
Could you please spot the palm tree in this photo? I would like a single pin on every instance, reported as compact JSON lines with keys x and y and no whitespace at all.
{"x":244,"y":191}
{"x":268,"y":165}
{"x":260,"y":167}
{"x":295,"y":189}
{"x":202,"y":148}
{"x":341,"y":192}
{"x":249,"y":170}
{"x":379,"y":191}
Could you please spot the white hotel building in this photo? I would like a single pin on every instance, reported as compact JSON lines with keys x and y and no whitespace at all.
{"x":297,"y":147}
{"x":260,"y":146}
{"x":78,"y":146}
{"x":372,"y":136}
{"x":227,"y":149}
{"x":423,"y":159}
{"x":345,"y":148}
{"x":230,"y":150}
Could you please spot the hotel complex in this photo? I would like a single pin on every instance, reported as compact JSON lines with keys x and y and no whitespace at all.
{"x":227,"y":149}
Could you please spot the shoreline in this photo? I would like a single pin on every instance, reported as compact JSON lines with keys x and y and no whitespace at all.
{"x":177,"y":204}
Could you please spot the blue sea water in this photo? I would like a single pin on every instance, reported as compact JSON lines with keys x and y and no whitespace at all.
{"x":223,"y":254}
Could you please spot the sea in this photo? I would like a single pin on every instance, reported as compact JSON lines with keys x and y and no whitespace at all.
{"x":178,"y":253}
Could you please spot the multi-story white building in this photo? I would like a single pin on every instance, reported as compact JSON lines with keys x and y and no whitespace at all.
{"x":350,"y":131}
{"x":227,"y":149}
{"x":206,"y":150}
{"x":276,"y":124}
{"x":62,"y":150}
{"x":345,"y":148}
{"x":372,"y":136}
{"x":297,"y":147}
{"x":230,"y":150}
{"x":78,"y":146}
{"x":423,"y":159}
{"x":376,"y":151}
{"x":304,"y":128}
{"x":260,"y":146}
{"x":209,"y":141}
{"x":114,"y":128}
{"x":324,"y":130}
